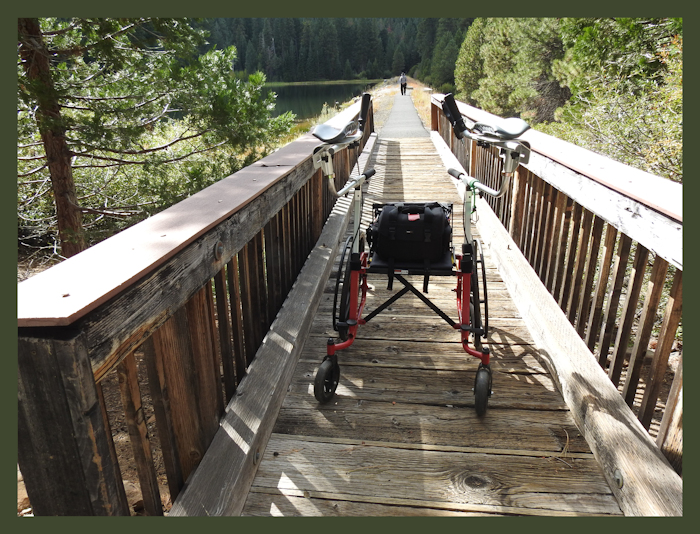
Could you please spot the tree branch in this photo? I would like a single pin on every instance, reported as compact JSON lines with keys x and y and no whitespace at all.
{"x":140,"y":152}
{"x":33,"y":171}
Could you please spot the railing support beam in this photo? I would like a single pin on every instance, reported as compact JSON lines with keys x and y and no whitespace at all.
{"x":63,"y":448}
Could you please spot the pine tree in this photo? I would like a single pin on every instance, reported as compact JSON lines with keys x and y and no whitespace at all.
{"x":469,"y":67}
{"x":94,"y":95}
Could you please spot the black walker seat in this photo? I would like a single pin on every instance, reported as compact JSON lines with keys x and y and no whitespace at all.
{"x":332,"y":135}
{"x":442,"y":265}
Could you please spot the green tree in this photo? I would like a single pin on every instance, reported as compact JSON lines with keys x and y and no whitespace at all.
{"x":621,"y":46}
{"x":469,"y":67}
{"x":398,"y":63}
{"x":99,"y":99}
{"x":641,"y":126}
{"x":498,"y":53}
{"x":511,"y":71}
{"x":442,"y":66}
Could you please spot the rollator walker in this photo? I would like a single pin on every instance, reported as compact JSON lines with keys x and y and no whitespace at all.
{"x":410,"y":238}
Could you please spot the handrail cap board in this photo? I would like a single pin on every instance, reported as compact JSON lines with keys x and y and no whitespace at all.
{"x":69,"y":290}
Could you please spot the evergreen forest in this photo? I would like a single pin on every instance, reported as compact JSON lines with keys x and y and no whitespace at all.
{"x":296,"y":49}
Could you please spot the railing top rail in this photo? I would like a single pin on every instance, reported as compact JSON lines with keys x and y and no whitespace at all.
{"x":658,"y":194}
{"x":68,"y":291}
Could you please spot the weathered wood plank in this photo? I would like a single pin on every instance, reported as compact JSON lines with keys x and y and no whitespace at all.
{"x":436,"y":387}
{"x":561,"y":254}
{"x":555,"y":254}
{"x":506,"y":358}
{"x":158,"y":389}
{"x":618,"y":278}
{"x":434,"y":476}
{"x":544,"y":431}
{"x":174,"y":353}
{"x":223,"y":316}
{"x":572,"y":249}
{"x":234,"y":295}
{"x":295,"y":503}
{"x":205,"y":361}
{"x":670,"y":437}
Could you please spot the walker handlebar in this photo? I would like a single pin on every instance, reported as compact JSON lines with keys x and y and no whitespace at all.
{"x":354,"y":183}
{"x":476,"y":184}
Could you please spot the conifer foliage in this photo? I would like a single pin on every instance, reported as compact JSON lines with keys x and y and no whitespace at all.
{"x":118,"y":118}
{"x":612,"y":85}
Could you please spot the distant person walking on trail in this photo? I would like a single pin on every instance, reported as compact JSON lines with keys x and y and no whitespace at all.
{"x":402,"y":81}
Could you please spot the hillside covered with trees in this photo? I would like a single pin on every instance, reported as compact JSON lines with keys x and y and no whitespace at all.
{"x":612,"y":85}
{"x":298,"y":49}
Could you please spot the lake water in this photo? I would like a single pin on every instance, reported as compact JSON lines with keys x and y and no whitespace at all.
{"x":306,"y":101}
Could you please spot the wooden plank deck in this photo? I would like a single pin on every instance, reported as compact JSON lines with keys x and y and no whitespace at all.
{"x":401,"y":437}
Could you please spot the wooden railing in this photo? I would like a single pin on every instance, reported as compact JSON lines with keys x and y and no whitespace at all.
{"x":192,"y":292}
{"x":596,"y":234}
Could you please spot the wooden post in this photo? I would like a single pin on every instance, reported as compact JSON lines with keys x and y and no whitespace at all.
{"x":545,"y":233}
{"x":203,"y":338}
{"x":618,"y":278}
{"x":582,"y":254}
{"x":561,"y":254}
{"x":646,"y":323}
{"x":249,"y":295}
{"x":555,"y":245}
{"x":518,"y":204}
{"x":234,"y":292}
{"x":160,"y":396}
{"x":545,"y":253}
{"x":273,"y":258}
{"x":174,"y":351}
{"x":63,"y":445}
{"x":568,"y":275}
{"x":594,"y":319}
{"x":138,"y":435}
{"x":670,"y":437}
{"x":628,"y":313}
{"x":226,"y":337}
{"x":659,"y":363}
{"x":585,"y":299}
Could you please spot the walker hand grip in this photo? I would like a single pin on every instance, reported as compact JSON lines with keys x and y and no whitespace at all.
{"x":369,"y":174}
{"x":449,"y":106}
{"x":364,"y":108}
{"x":454,"y":172}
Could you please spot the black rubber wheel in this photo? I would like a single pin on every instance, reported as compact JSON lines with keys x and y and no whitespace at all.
{"x":480,"y":265}
{"x":475,"y":318}
{"x":482,"y":390}
{"x":326,"y":381}
{"x":341,"y":296}
{"x":342,"y":289}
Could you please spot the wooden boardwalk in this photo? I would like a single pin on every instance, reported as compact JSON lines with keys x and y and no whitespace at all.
{"x":401,"y":437}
